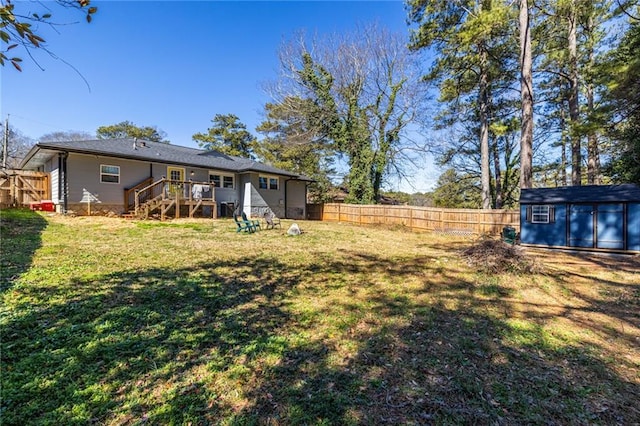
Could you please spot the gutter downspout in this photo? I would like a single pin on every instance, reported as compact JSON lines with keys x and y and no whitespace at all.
{"x":63,"y":184}
{"x":306,"y":193}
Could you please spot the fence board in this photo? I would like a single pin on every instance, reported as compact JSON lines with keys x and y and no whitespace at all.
{"x":424,"y":218}
{"x":19,"y":188}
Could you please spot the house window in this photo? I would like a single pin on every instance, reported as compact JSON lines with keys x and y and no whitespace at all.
{"x":273,"y":183}
{"x":268,"y":182}
{"x":227,"y":182}
{"x":540,"y":214}
{"x":109,"y":174}
{"x":222,"y":181}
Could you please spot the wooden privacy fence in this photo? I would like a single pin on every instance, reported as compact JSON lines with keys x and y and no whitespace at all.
{"x":467,"y":221}
{"x":19,"y":188}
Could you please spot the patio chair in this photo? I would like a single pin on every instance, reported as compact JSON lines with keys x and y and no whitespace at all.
{"x":272,"y":221}
{"x":243,"y":225}
{"x":254,"y":223}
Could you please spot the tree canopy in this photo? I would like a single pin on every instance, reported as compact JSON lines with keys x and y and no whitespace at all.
{"x":583,"y":72}
{"x":18,"y":145}
{"x":127,"y":129}
{"x":624,"y":107}
{"x":65,"y":136}
{"x":361,"y":93}
{"x":228,"y":135}
{"x":292,"y":143}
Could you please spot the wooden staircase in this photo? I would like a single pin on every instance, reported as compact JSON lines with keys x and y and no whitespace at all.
{"x":146,"y":208}
{"x":163,"y":195}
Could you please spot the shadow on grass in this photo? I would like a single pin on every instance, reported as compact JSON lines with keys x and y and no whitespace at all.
{"x":20,"y":237}
{"x":227,"y":342}
{"x":454,"y":362}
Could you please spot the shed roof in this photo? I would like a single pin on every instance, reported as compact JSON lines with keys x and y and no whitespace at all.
{"x":152,"y":151}
{"x":581,"y":194}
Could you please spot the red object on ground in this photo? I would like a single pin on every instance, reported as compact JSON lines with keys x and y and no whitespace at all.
{"x":47,"y":206}
{"x":44,"y":205}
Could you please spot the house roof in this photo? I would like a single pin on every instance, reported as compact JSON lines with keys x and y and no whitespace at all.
{"x":134,"y":149}
{"x":582,"y":194}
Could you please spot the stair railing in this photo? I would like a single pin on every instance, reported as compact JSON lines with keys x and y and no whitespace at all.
{"x":166,"y":189}
{"x":130,"y":193}
{"x":148,"y":192}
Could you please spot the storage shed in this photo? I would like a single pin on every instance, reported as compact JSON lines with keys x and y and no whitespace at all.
{"x":592,"y":217}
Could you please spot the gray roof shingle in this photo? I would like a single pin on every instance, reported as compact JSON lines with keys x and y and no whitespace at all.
{"x":159,"y":152}
{"x":582,"y":194}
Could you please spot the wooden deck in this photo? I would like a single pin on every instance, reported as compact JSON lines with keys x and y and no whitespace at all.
{"x":170,"y":198}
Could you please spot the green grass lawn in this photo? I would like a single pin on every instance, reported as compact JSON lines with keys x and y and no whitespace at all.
{"x":106,"y":321}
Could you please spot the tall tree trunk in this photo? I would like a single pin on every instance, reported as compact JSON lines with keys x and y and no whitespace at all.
{"x":497,"y":174}
{"x":574,"y":110}
{"x":563,"y":147}
{"x":483,"y":102}
{"x":526,"y":93}
{"x":593,"y":152}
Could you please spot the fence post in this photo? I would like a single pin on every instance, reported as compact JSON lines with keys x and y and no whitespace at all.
{"x":410,"y":217}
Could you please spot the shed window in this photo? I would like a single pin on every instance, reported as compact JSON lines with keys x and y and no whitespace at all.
{"x":540,"y":214}
{"x":109,"y":174}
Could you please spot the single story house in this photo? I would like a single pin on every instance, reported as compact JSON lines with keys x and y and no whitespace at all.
{"x":128,"y":175}
{"x":592,"y":217}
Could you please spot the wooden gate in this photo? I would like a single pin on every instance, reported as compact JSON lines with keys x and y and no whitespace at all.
{"x":20,"y":188}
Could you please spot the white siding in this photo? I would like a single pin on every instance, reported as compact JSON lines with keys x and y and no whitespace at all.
{"x":55,"y":186}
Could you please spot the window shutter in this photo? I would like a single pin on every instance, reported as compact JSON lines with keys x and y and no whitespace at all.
{"x":528,"y":219}
{"x":552,"y":214}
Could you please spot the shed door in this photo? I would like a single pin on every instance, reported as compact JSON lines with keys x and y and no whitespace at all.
{"x":610,"y":226}
{"x":581,"y":218}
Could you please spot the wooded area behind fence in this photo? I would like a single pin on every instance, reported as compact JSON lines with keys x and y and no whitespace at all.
{"x":20,"y":188}
{"x":467,"y":221}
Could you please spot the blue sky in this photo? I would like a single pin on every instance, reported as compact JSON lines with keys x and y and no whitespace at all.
{"x":171,"y":64}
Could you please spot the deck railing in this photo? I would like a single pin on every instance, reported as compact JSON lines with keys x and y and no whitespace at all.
{"x":174,"y":190}
{"x":130,"y":193}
